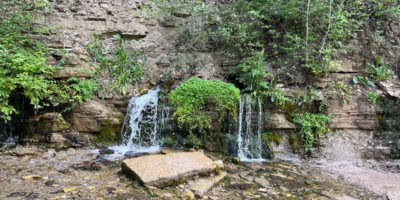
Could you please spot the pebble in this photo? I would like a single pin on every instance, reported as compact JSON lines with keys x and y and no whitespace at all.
{"x":169,"y":195}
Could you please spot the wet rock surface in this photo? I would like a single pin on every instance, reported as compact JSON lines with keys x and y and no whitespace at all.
{"x":79,"y":174}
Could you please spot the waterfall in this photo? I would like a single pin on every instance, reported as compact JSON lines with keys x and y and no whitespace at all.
{"x":6,"y":133}
{"x":139,"y":131}
{"x":10,"y":130}
{"x":259,"y":138}
{"x":249,"y":144}
{"x":164,"y":111}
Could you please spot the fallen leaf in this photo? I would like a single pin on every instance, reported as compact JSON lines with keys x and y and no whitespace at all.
{"x":68,"y":189}
{"x":31,"y":177}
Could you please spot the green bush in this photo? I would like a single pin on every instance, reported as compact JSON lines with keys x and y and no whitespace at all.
{"x":379,"y":72}
{"x":203,"y":103}
{"x":312,"y":127}
{"x":23,"y":70}
{"x":372,"y":97}
{"x":193,"y":141}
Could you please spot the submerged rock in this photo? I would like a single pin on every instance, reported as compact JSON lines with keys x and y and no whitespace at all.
{"x":106,"y":151}
{"x":160,"y":169}
{"x":131,"y":154}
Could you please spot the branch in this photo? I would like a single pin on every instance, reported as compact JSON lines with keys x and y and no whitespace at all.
{"x":308,"y":8}
{"x":329,"y":27}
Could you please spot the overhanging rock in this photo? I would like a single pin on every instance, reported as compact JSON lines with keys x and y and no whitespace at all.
{"x":156,"y":170}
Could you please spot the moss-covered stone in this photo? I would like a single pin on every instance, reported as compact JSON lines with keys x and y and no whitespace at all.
{"x":217,"y":170}
{"x":67,"y":143}
{"x":276,"y":138}
{"x":52,"y":123}
{"x":293,"y":141}
{"x":109,"y":133}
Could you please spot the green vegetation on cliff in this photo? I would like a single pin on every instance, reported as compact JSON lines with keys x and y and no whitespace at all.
{"x":23,"y":70}
{"x":295,"y":41}
{"x":312,"y":127}
{"x":22,"y":61}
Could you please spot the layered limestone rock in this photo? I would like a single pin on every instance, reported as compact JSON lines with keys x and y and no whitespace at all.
{"x":392,"y":88}
{"x":357,"y":113}
{"x":51,"y":123}
{"x":156,"y":170}
{"x":51,"y":128}
{"x":89,"y":117}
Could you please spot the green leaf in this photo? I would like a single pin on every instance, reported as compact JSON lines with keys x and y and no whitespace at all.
{"x":378,"y":60}
{"x":355,"y":80}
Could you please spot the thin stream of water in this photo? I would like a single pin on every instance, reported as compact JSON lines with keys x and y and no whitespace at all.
{"x":249,"y":144}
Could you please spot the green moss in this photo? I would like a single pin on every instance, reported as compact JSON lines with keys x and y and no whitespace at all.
{"x":121,"y":119}
{"x":57,"y":147}
{"x":67,"y":143}
{"x":109,"y":133}
{"x":62,"y":124}
{"x":169,"y":142}
{"x":293,"y":141}
{"x":223,"y":145}
{"x":43,"y":127}
{"x":217,"y":170}
{"x":289,"y":107}
{"x":203,"y":174}
{"x":269,"y":137}
{"x":275,"y":138}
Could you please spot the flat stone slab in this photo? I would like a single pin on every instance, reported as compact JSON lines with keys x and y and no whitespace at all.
{"x":205,"y":184}
{"x":160,"y":169}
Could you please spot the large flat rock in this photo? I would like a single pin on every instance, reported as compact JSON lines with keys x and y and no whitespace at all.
{"x":160,"y":169}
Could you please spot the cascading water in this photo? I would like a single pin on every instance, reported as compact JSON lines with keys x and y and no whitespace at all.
{"x":249,"y":144}
{"x":140,"y":130}
{"x":259,"y":138}
{"x":6,"y":133}
{"x":9,"y":129}
{"x":164,"y":111}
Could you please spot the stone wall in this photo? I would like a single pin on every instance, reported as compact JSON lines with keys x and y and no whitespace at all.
{"x":76,"y":21}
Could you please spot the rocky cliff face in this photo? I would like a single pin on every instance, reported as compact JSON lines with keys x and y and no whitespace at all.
{"x":158,"y":40}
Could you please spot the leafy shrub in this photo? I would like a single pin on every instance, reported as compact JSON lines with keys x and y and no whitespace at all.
{"x":372,"y":97}
{"x":96,"y":51}
{"x":22,"y":58}
{"x":124,"y":66}
{"x":340,"y":90}
{"x":379,"y":72}
{"x":84,"y":88}
{"x":363,"y":80}
{"x":119,"y":65}
{"x":312,"y":127}
{"x":193,"y":141}
{"x":193,"y":97}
